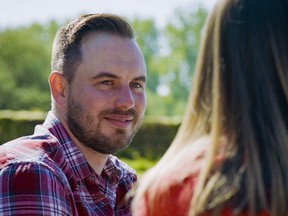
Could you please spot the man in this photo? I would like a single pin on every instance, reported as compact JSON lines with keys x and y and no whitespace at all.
{"x":97,"y":86}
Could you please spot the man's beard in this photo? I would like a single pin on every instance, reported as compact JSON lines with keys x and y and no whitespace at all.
{"x":83,"y":127}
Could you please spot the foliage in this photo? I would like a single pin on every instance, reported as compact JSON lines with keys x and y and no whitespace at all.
{"x":152,"y":139}
{"x":183,"y":38}
{"x":139,"y":164}
{"x":14,"y":124}
{"x":24,"y":67}
{"x":169,"y":52}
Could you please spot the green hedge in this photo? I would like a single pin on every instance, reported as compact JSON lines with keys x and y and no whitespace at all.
{"x":151,"y":141}
{"x":153,"y":138}
{"x":14,"y":124}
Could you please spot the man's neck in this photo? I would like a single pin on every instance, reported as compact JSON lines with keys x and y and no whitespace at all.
{"x":96,"y":160}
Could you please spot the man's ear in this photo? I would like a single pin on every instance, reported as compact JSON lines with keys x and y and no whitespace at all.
{"x":58,"y":87}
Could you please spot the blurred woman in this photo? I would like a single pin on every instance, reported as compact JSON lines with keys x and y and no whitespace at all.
{"x":229,"y":156}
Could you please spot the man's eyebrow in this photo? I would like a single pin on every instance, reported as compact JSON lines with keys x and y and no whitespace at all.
{"x":103,"y":75}
{"x":141,"y":78}
{"x":111,"y":75}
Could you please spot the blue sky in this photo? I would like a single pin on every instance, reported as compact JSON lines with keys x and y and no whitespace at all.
{"x":21,"y":12}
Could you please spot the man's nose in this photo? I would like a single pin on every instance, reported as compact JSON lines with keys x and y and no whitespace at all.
{"x":124,"y":98}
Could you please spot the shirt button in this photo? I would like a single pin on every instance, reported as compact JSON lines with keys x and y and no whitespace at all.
{"x":102,"y":204}
{"x":92,"y":177}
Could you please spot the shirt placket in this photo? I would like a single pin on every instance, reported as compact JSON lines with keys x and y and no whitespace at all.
{"x":97,"y":197}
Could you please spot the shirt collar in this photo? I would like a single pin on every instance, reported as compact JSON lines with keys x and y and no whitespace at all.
{"x":72,"y":154}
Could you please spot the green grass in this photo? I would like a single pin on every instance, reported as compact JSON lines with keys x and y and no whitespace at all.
{"x":140,"y":165}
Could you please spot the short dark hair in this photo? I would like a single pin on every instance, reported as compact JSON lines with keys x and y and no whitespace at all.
{"x":66,"y":54}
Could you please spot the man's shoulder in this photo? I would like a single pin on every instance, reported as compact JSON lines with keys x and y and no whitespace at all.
{"x":29,"y":148}
{"x":31,"y":156}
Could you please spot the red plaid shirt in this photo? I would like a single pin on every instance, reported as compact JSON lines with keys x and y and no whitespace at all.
{"x":46,"y":174}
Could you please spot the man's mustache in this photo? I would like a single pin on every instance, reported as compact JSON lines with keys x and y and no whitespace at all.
{"x":130,"y":112}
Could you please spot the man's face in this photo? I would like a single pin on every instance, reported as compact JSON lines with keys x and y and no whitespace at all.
{"x":106,"y":101}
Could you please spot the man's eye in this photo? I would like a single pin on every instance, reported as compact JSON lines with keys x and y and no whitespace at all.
{"x":106,"y":82}
{"x":136,"y":85}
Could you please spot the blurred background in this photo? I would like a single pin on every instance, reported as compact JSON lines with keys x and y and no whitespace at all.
{"x":168,"y":32}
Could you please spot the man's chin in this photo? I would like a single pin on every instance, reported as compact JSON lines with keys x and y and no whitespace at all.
{"x":108,"y":150}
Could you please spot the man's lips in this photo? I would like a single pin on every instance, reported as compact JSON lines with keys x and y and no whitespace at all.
{"x":120,"y":121}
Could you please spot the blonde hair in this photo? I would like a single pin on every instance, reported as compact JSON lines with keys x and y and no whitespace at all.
{"x":240,"y":91}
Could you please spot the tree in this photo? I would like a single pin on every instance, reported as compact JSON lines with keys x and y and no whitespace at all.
{"x":25,"y":66}
{"x":183,"y":37}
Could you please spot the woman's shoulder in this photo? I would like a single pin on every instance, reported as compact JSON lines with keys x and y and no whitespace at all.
{"x":174,"y":181}
{"x":190,"y":158}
